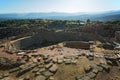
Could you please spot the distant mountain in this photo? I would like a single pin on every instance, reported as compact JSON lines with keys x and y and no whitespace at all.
{"x":111,"y":15}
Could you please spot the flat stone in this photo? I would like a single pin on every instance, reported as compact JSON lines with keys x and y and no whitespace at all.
{"x":35,"y":70}
{"x":93,"y":65}
{"x":51,"y":78}
{"x":48,"y":65}
{"x":86,"y":78}
{"x":106,"y":67}
{"x":109,"y":62}
{"x":6,"y":78}
{"x":27,"y":78}
{"x":95,"y":71}
{"x":26,"y":69}
{"x":42,"y":70}
{"x":97,"y":63}
{"x":1,"y":77}
{"x":53,"y":69}
{"x":40,"y":77}
{"x":76,"y":56}
{"x":67,"y":61}
{"x":91,"y":75}
{"x":40,"y":66}
{"x":74,"y":61}
{"x":6,"y":74}
{"x":37,"y":73}
{"x":103,"y":61}
{"x":47,"y":60}
{"x":14,"y":70}
{"x":100,"y":69}
{"x":59,"y":61}
{"x":88,"y":69}
{"x":45,"y":57}
{"x":47,"y":74}
{"x":21,"y":79}
{"x":79,"y":77}
{"x":54,"y":60}
{"x":91,"y":54}
{"x":90,"y":58}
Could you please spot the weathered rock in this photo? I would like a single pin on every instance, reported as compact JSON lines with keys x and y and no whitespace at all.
{"x":67,"y":61}
{"x":37,"y":73}
{"x":90,"y":58}
{"x":95,"y":70}
{"x":47,"y":60}
{"x":103,"y":61}
{"x":47,"y":74}
{"x":8,"y":64}
{"x":40,"y":66}
{"x":97,"y":63}
{"x":27,"y":78}
{"x":54,"y":60}
{"x":76,"y":56}
{"x":53,"y":69}
{"x":40,"y":77}
{"x":106,"y":67}
{"x":1,"y":76}
{"x":35,"y":70}
{"x":91,"y":75}
{"x":48,"y":65}
{"x":109,"y":62}
{"x":45,"y":57}
{"x":79,"y":77}
{"x":6,"y":74}
{"x":93,"y":65}
{"x":86,"y":78}
{"x":74,"y":61}
{"x":26,"y":69}
{"x":59,"y":60}
{"x":51,"y":78}
{"x":21,"y":79}
{"x":42,"y":70}
{"x":14,"y":70}
{"x":100,"y":69}
{"x":88,"y":69}
{"x":110,"y":57}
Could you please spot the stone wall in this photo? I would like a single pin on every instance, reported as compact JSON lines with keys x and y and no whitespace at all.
{"x":77,"y":44}
{"x":53,"y":37}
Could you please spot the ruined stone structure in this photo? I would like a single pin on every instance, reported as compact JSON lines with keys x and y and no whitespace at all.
{"x":117,"y":35}
{"x":77,"y":44}
{"x":52,"y":37}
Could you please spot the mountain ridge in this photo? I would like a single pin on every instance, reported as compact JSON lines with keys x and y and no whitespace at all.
{"x":104,"y":16}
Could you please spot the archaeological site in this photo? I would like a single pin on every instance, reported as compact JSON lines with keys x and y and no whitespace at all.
{"x":90,"y":51}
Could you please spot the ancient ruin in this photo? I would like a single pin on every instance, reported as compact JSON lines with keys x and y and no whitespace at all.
{"x":60,"y":55}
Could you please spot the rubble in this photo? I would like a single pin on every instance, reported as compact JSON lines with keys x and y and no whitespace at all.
{"x":8,"y":64}
{"x":48,"y":65}
{"x":54,"y":68}
{"x":91,"y":75}
{"x":40,"y":77}
{"x":47,"y":74}
{"x":26,"y":69}
{"x":79,"y":77}
{"x":14,"y":70}
{"x":88,"y":69}
{"x":67,"y":61}
{"x":45,"y":65}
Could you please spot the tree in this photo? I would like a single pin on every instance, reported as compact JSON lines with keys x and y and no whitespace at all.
{"x":88,"y":21}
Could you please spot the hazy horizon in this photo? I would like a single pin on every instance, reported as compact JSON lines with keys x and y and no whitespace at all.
{"x":62,"y":6}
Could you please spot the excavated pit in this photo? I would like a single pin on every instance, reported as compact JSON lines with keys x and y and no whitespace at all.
{"x":50,"y":38}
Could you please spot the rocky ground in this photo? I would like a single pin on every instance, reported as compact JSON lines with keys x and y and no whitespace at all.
{"x":59,"y":63}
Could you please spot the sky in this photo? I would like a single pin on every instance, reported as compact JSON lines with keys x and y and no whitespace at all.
{"x":68,"y":6}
